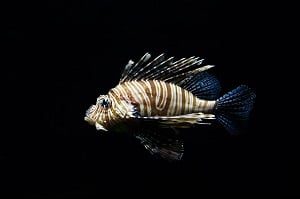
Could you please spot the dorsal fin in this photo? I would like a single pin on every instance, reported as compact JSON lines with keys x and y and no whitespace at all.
{"x":203,"y":85}
{"x":161,"y":68}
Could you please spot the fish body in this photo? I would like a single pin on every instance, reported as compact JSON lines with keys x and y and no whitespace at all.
{"x":165,"y":95}
{"x":159,"y":98}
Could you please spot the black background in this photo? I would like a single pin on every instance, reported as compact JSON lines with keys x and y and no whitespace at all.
{"x":60,"y":55}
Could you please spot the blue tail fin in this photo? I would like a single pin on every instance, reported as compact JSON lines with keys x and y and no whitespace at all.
{"x":235,"y":107}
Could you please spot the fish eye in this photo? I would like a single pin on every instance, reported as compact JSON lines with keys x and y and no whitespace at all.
{"x":100,"y":100}
{"x":104,"y":102}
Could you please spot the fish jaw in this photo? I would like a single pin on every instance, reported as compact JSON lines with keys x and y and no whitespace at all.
{"x":89,"y":120}
{"x":99,"y":127}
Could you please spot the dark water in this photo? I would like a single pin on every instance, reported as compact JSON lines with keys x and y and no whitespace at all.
{"x":62,"y":54}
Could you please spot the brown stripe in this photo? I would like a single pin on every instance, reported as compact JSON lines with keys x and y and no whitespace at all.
{"x":183,"y":102}
{"x":168,"y":98}
{"x":175,"y":100}
{"x":160,"y":99}
{"x":128,"y":92}
{"x":135,"y":98}
{"x":205,"y":107}
{"x":100,"y":117}
{"x":105,"y":121}
{"x":188,"y":103}
{"x":116,"y":105}
{"x":194,"y":104}
{"x":145,"y":86}
{"x":172,"y":108}
{"x":146,"y":91}
{"x":114,"y":94}
{"x":141,"y":94}
{"x":130,"y":95}
{"x":109,"y":117}
{"x":179,"y":100}
{"x":122,"y":90}
{"x":152,"y":99}
{"x":191,"y":102}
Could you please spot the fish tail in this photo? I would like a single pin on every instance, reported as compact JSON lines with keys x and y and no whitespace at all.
{"x":233,"y":108}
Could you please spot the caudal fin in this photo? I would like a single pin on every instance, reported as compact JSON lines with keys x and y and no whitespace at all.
{"x":234,"y":107}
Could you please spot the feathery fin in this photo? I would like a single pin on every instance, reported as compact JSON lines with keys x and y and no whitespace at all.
{"x":167,"y":144}
{"x":203,"y":85}
{"x":234,"y":107}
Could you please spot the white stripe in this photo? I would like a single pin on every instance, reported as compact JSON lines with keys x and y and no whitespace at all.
{"x":200,"y":104}
{"x":179,"y":100}
{"x":174,"y":100}
{"x":191,"y":102}
{"x":171,"y":106}
{"x":158,"y":95}
{"x":140,"y":95}
{"x":136,"y":96}
{"x":171,"y":100}
{"x":186,"y":102}
{"x":157,"y":88}
{"x":163,"y":103}
{"x":122,"y":91}
{"x":123,"y":107}
{"x":148,"y":86}
{"x":145,"y":96}
{"x":113,"y":99}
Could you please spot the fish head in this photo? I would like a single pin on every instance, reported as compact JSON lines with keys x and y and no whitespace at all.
{"x":91,"y":115}
{"x":94,"y":113}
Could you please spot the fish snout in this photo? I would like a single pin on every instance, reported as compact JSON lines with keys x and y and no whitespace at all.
{"x":89,"y":120}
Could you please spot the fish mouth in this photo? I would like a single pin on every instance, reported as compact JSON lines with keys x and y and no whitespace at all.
{"x":99,"y":127}
{"x":89,"y":120}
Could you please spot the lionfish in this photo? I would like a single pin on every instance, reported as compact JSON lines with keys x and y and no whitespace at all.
{"x":156,"y":97}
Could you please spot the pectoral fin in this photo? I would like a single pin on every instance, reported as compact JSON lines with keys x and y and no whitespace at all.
{"x":165,"y":143}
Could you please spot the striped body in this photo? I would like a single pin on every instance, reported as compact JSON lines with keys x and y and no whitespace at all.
{"x":158,"y":98}
{"x":167,"y":94}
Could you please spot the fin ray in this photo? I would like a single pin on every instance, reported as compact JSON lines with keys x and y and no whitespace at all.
{"x":180,"y":121}
{"x":161,"y":68}
{"x":233,"y":109}
{"x":203,"y":85}
{"x":166,"y":144}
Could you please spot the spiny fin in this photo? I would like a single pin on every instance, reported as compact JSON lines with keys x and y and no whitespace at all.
{"x":203,"y":85}
{"x":165,"y":143}
{"x":180,"y":121}
{"x":161,"y":68}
